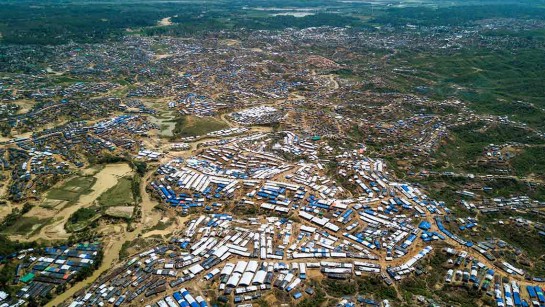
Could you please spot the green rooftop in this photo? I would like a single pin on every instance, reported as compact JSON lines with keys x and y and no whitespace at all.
{"x":28,"y":278}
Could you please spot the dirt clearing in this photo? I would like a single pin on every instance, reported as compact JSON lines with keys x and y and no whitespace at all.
{"x":167,"y":21}
{"x":120,"y":211}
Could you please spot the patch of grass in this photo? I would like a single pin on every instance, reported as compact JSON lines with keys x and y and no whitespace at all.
{"x":373,"y":285}
{"x":120,"y":92}
{"x":194,"y":126}
{"x":66,"y":79}
{"x":120,"y":194}
{"x":26,"y":226}
{"x":530,"y":161}
{"x":467,"y":143}
{"x":82,"y":214}
{"x":159,"y":48}
{"x":492,"y":81}
{"x":526,"y":239}
{"x":162,"y":225}
{"x":463,"y":296}
{"x":81,"y":219}
{"x":346,"y":73}
{"x":318,"y":299}
{"x":414,"y":286}
{"x":339,"y":288}
{"x":72,"y":189}
{"x":538,"y":269}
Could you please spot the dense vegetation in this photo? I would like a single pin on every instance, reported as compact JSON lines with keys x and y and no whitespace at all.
{"x":530,"y":161}
{"x":10,"y":219}
{"x":120,"y":194}
{"x":459,"y":15}
{"x":8,"y":247}
{"x":187,"y":126}
{"x":54,"y":23}
{"x":58,"y":22}
{"x":467,"y":143}
{"x":82,"y":215}
{"x":497,"y":82}
{"x":72,"y":189}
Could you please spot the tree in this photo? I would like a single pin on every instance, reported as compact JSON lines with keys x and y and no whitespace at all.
{"x":141,"y":167}
{"x":26,"y":208}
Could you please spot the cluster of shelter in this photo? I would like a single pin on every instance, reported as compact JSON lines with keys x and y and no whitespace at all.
{"x":312,"y":220}
{"x":520,"y":203}
{"x":467,"y":270}
{"x":259,"y":115}
{"x":41,"y":271}
{"x":54,"y":152}
{"x":199,"y":105}
{"x":243,"y":259}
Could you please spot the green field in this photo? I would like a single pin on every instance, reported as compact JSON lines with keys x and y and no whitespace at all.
{"x":467,"y":142}
{"x":82,"y":218}
{"x":120,"y":194}
{"x":194,"y":126}
{"x":491,"y":81}
{"x":71,"y":189}
{"x":166,"y":122}
{"x":530,"y":161}
{"x":26,"y":226}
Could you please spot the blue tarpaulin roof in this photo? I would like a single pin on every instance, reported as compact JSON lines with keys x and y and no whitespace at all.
{"x":424,"y":225}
